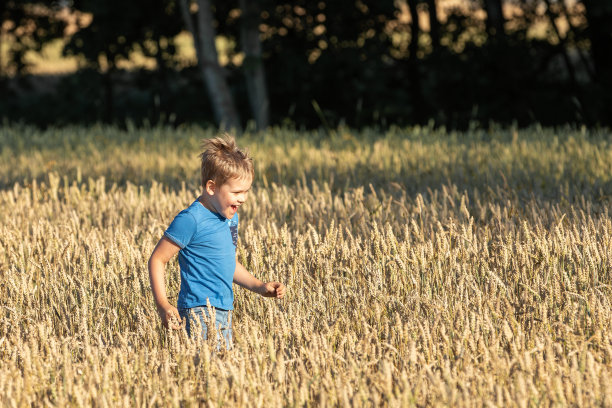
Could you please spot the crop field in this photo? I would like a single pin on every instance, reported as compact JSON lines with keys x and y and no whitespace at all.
{"x":423,"y":268}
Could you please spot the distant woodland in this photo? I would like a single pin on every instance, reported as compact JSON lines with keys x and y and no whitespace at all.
{"x":258,"y":63}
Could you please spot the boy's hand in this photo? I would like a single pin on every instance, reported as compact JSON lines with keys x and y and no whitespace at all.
{"x":170,"y":316}
{"x":273,"y":289}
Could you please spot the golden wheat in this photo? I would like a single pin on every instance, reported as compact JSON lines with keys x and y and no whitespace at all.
{"x":422,"y":268}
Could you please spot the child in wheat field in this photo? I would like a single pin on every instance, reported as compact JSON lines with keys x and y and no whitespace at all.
{"x":204,"y":235}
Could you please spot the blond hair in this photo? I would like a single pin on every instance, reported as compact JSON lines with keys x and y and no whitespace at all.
{"x":223,"y":160}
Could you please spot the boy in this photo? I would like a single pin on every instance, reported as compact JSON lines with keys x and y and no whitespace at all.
{"x":204,"y":235}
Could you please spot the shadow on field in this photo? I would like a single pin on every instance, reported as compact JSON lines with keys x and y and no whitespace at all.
{"x":567,"y":165}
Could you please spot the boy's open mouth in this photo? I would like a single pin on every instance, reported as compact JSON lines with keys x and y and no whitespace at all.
{"x":234,"y":207}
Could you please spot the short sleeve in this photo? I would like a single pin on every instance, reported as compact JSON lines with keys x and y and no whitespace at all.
{"x":182,"y":229}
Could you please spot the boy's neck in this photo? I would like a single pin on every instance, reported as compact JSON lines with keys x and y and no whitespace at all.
{"x":202,"y":199}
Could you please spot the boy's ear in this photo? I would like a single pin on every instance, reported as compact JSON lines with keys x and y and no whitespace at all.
{"x":210,"y":187}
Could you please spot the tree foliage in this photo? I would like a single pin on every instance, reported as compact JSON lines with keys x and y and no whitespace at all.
{"x":26,"y":26}
{"x":358,"y":62}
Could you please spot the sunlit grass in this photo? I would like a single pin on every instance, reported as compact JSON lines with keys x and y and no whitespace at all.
{"x":423,"y":268}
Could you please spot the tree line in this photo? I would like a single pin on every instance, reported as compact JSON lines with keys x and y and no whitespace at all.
{"x":313,"y":63}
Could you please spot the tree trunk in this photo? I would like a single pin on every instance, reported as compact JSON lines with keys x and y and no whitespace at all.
{"x":562,"y":45}
{"x":583,"y":58}
{"x":107,"y":80}
{"x":599,"y":17}
{"x":253,"y":63}
{"x":1,"y":42}
{"x":568,"y":63}
{"x":219,"y":93}
{"x":495,"y":18}
{"x":413,"y":64}
{"x":161,"y":96}
{"x":434,"y":24}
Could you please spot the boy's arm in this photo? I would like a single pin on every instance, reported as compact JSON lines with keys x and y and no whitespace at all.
{"x":162,"y":253}
{"x":243,"y":278}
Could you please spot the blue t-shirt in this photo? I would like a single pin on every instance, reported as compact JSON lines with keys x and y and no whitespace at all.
{"x":207,"y":257}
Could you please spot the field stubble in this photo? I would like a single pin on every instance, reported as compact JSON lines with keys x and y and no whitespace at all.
{"x":485,"y":283}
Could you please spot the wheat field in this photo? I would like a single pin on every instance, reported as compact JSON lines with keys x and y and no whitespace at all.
{"x":424,"y":267}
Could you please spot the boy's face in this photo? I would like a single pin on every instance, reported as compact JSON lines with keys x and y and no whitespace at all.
{"x":230,"y":195}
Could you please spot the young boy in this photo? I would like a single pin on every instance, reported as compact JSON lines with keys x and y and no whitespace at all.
{"x":204,"y":235}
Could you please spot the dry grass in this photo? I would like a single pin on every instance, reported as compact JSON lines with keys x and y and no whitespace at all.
{"x":475,"y":270}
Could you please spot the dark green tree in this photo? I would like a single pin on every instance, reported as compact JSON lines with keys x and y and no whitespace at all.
{"x":117,"y":28}
{"x":328,"y":60}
